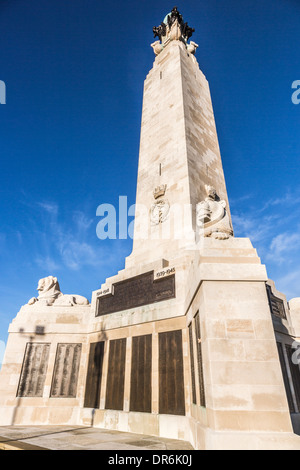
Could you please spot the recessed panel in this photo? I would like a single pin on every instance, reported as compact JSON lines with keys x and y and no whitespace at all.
{"x":171,"y":380}
{"x":66,"y":368}
{"x":94,"y":375}
{"x":116,"y":374}
{"x":141,"y":368}
{"x":34,"y":370}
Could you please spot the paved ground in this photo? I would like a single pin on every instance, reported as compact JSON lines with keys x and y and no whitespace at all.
{"x":81,"y":438}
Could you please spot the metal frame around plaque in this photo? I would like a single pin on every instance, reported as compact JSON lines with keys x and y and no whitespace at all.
{"x":135,"y":292}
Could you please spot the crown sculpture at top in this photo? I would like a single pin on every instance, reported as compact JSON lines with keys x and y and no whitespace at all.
{"x":173,"y":28}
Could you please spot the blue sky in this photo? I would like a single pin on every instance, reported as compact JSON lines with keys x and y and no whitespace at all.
{"x":69,"y":132}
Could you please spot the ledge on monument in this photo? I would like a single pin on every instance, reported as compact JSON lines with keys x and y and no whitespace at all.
{"x":253,"y":441}
{"x":51,"y":312}
{"x":231,"y":251}
{"x":39,"y":307}
{"x":232,"y":272}
{"x":234,"y":243}
{"x":32,"y":315}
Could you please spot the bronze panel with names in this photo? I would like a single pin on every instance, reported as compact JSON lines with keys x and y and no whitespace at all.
{"x":94,"y":375}
{"x":141,"y":371}
{"x":66,"y":369}
{"x":171,"y":380}
{"x":200,"y":360}
{"x":285,"y":378}
{"x":276,"y":304}
{"x":33,"y":374}
{"x":136,"y":292}
{"x":116,"y":375}
{"x":192,"y":363}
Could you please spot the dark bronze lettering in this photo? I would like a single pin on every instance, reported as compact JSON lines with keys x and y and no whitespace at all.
{"x":171,"y":380}
{"x":34,"y":370}
{"x":94,"y":375}
{"x":199,"y":360}
{"x":141,"y":368}
{"x":135,"y":292}
{"x":116,"y":374}
{"x":66,"y":368}
{"x":192,"y":363}
{"x":285,"y":378}
{"x":276,"y":304}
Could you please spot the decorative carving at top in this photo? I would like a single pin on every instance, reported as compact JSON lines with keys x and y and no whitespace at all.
{"x":50,"y":294}
{"x":173,"y":28}
{"x":160,"y":31}
{"x":160,"y":209}
{"x":212,"y":218}
{"x":159,"y":191}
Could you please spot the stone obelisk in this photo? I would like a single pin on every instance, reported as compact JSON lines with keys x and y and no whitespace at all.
{"x":179,"y":150}
{"x":221,"y":282}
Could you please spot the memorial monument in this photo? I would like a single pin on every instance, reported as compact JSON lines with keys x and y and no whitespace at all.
{"x":191,"y":340}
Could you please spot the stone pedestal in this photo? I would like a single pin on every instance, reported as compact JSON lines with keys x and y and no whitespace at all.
{"x":246,"y":405}
{"x":232,"y":385}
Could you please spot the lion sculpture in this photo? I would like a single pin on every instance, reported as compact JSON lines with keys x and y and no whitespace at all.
{"x":50,"y":294}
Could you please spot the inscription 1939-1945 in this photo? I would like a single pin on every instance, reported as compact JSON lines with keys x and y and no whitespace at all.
{"x":136,"y":292}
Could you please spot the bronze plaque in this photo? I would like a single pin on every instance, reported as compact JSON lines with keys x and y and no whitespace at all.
{"x":192,"y":363}
{"x":33,"y":375}
{"x":199,"y":359}
{"x":66,"y":368}
{"x":135,"y":292}
{"x":141,"y":368}
{"x":276,"y":304}
{"x":171,"y":381}
{"x":94,"y":375}
{"x":285,"y":378}
{"x":116,"y":374}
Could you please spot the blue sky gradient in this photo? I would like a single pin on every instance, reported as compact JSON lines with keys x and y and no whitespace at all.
{"x":69,"y":131}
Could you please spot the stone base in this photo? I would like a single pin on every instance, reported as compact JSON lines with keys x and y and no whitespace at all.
{"x":223,"y":285}
{"x":252,"y":441}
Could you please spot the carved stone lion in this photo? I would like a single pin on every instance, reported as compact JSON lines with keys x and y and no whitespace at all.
{"x":50,"y":294}
{"x":212,"y":218}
